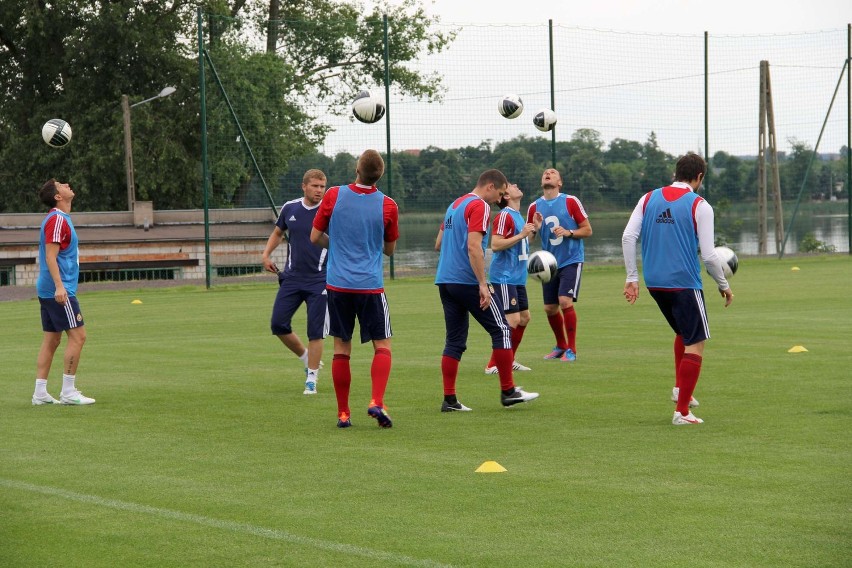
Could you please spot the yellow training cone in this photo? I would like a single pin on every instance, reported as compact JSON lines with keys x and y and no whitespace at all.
{"x":490,"y":467}
{"x":795,"y":269}
{"x":797,"y":349}
{"x":136,"y":302}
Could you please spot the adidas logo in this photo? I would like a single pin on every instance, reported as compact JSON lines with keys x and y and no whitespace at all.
{"x":665,"y":217}
{"x":292,"y":218}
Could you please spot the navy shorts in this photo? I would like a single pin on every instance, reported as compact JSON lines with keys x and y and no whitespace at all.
{"x":513,"y":298}
{"x":58,"y":318}
{"x":685,"y":312}
{"x":566,"y":283}
{"x":371,"y":310}
{"x":290,"y":296}
{"x":462,"y":300}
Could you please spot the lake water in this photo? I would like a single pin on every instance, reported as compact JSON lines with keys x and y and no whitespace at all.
{"x":415,"y":249}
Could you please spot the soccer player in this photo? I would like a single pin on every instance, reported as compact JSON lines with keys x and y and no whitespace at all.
{"x":303,"y":277}
{"x":464,"y":290}
{"x":59,"y":270}
{"x":508,"y":273}
{"x":674,"y":222}
{"x":357,"y":223}
{"x":563,"y":224}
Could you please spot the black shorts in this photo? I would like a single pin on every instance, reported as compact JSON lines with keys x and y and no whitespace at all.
{"x":58,"y":318}
{"x":566,"y":283}
{"x":685,"y":312}
{"x":371,"y":310}
{"x":459,"y":302}
{"x":513,"y":297}
{"x":290,"y":296}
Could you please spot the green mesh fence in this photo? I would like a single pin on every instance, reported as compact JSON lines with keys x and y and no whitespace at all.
{"x":627,"y":104}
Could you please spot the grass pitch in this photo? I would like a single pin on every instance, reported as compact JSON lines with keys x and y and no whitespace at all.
{"x":202,"y":451}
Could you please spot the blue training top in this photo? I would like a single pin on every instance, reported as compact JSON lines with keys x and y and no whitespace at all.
{"x":670,"y":242}
{"x":305,"y":260}
{"x":68,"y":258}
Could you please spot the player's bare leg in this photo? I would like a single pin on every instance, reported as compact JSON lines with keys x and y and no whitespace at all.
{"x":49,"y":344}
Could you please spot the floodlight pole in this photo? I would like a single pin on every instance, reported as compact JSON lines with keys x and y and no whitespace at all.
{"x":128,"y":144}
{"x":128,"y":153}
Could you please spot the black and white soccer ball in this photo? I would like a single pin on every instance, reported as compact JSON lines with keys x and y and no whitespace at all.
{"x":542,"y":266}
{"x":56,"y":132}
{"x":730,"y":263}
{"x":510,"y":106}
{"x":545,"y":120}
{"x":368,"y":107}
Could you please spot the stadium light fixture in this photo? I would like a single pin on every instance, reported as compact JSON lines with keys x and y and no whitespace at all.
{"x":128,"y":147}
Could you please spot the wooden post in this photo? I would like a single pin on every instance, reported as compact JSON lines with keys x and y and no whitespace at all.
{"x":128,"y":153}
{"x":773,"y":165}
{"x":761,"y":162}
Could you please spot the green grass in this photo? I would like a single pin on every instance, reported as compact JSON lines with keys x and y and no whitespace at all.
{"x":202,"y":451}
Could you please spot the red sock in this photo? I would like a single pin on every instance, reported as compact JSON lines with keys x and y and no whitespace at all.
{"x":341,"y":375}
{"x":570,"y":317}
{"x":449,"y":370}
{"x":504,"y":359}
{"x":558,"y":327}
{"x":690,"y":368}
{"x":517,"y":336}
{"x":678,"y":355}
{"x":379,"y":373}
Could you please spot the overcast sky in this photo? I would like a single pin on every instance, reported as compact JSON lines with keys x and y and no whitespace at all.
{"x":674,"y":16}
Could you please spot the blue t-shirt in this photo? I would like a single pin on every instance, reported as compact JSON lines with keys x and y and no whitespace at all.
{"x":356,"y":235}
{"x":61,"y":231}
{"x":454,"y":262}
{"x":509,"y":266}
{"x":555,"y":212}
{"x":305,"y":260}
{"x":670,"y":242}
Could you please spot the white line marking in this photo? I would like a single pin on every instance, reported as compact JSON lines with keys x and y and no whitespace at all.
{"x":232,"y":526}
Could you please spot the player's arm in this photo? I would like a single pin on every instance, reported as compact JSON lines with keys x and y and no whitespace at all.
{"x":628,"y":250}
{"x":272,"y":243}
{"x":439,"y":238}
{"x":583,"y":230}
{"x":501,"y":241}
{"x":536,"y":219}
{"x":51,"y":254}
{"x":477,"y":263}
{"x":704,"y":226}
{"x":391,"y":218}
{"x":319,"y":238}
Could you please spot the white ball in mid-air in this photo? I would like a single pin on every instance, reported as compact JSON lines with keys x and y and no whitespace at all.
{"x":368,"y":107}
{"x":730,"y":263}
{"x":545,"y":120}
{"x":542,"y":266}
{"x":56,"y":132}
{"x":510,"y":106}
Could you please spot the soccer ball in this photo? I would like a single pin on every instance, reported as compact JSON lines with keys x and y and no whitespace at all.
{"x":730,"y":263}
{"x":545,"y":120}
{"x":542,"y":266}
{"x":510,"y":106}
{"x":368,"y":107}
{"x":56,"y":132}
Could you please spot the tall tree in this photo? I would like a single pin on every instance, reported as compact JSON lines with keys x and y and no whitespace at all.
{"x":73,"y":59}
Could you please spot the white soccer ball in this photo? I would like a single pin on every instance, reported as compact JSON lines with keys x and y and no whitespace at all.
{"x":542,"y":266}
{"x":730,"y":263}
{"x":510,"y":106}
{"x":545,"y":120}
{"x":368,"y":107}
{"x":56,"y":132}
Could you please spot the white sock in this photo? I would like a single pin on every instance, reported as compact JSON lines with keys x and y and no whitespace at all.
{"x":313,"y":375}
{"x":68,"y":383}
{"x":41,"y":387}
{"x":304,"y":357}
